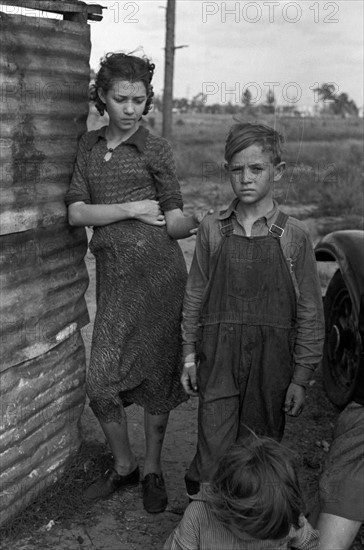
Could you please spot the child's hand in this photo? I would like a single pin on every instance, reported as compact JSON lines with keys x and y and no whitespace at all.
{"x":148,"y":211}
{"x":295,"y":400}
{"x":189,"y":378}
{"x":198,"y":216}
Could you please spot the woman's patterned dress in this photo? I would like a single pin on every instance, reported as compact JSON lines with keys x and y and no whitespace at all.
{"x":140,"y":276}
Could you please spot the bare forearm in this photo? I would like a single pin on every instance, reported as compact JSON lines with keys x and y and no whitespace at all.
{"x":180,"y":227}
{"x":147,"y":211}
{"x":81,"y":214}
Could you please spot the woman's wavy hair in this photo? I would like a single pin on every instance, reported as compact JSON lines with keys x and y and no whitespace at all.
{"x":243,"y":135}
{"x":255,"y":490}
{"x":122,"y":66}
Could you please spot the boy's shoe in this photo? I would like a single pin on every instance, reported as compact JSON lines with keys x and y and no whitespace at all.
{"x":192,"y":487}
{"x":109,"y":482}
{"x":155,"y":498}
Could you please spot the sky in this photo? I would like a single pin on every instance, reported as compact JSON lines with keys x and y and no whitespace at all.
{"x":288,"y":46}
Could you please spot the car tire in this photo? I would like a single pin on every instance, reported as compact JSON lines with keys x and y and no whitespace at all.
{"x":342,"y":347}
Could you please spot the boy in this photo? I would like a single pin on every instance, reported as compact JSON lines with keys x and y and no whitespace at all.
{"x":253,"y":316}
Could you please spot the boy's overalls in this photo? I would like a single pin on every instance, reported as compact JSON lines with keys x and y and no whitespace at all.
{"x":247,"y":328}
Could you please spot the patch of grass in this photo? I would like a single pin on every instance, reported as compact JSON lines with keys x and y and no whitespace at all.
{"x":199,"y":160}
{"x":324,"y":163}
{"x":331,"y":223}
{"x":312,"y":129}
{"x":342,"y":188}
{"x":205,"y":194}
{"x":323,"y":155}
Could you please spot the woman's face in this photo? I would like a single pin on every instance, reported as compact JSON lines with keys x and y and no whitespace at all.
{"x":125,"y":103}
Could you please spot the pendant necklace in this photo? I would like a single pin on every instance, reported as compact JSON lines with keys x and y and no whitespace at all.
{"x":109,"y":153}
{"x":110,"y":150}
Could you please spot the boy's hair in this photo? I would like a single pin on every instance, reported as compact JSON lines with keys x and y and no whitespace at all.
{"x":243,"y":135}
{"x":255,"y":490}
{"x":122,"y":66}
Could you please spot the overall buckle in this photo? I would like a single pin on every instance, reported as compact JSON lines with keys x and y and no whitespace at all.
{"x":276,"y":230}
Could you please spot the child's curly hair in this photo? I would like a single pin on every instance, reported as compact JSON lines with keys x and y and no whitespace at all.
{"x":255,"y":490}
{"x":122,"y":66}
{"x":242,"y":135}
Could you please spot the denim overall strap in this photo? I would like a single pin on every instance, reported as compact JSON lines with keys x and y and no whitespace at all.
{"x":227,"y":230}
{"x":226,"y":227}
{"x":277,"y":228}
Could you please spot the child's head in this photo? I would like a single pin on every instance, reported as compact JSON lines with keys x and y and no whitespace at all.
{"x":253,"y":160}
{"x":255,"y":490}
{"x":116,"y":67}
{"x":243,"y":135}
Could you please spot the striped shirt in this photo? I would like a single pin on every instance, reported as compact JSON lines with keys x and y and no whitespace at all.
{"x":199,"y":529}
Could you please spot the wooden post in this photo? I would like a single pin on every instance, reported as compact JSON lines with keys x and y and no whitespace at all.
{"x":168,"y":70}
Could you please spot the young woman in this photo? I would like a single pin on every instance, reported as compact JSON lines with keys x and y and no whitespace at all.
{"x":125,"y":186}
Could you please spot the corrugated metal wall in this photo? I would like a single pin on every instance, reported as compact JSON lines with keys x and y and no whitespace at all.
{"x":44,"y":70}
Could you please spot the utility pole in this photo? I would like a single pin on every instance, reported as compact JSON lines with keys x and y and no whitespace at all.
{"x":168,"y":70}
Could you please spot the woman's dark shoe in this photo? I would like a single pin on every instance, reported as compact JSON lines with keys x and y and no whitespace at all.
{"x":109,"y":482}
{"x":155,"y":498}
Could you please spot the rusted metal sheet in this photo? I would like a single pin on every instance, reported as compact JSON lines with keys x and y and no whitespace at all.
{"x":43,"y":275}
{"x":41,"y":401}
{"x":43,"y":281}
{"x":44,"y":72}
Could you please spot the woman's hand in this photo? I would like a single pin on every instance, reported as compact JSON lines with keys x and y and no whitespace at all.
{"x":180,"y":226}
{"x":148,"y":211}
{"x":198,"y":216}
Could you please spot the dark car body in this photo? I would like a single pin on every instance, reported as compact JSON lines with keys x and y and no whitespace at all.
{"x":344,"y":313}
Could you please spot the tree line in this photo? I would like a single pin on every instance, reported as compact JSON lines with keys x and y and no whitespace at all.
{"x":330,"y":103}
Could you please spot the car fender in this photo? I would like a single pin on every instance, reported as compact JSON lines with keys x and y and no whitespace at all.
{"x":346,"y":247}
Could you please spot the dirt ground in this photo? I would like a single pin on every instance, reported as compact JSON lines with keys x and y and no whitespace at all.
{"x":121,"y":523}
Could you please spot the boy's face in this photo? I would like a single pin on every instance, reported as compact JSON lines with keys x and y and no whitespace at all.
{"x":252,"y":175}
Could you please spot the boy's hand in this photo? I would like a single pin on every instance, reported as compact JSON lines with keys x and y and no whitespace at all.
{"x":295,"y":400}
{"x":189,"y":378}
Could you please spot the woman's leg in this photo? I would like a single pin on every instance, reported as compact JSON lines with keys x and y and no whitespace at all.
{"x":117,"y":436}
{"x":155,"y":497}
{"x":155,"y":428}
{"x":125,"y":471}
